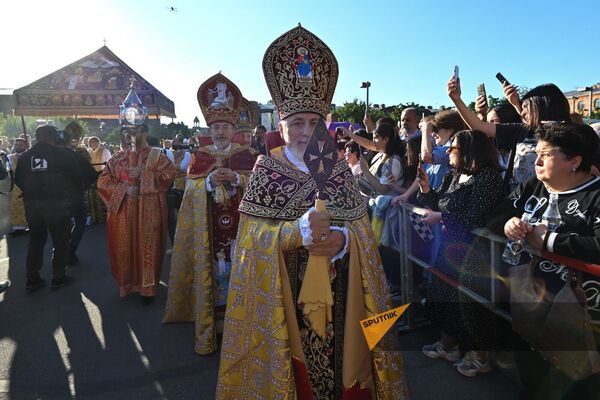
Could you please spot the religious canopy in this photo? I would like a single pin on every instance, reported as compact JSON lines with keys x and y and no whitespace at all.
{"x":92,"y":87}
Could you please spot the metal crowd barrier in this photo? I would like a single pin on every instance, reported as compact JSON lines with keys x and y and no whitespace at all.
{"x":497,"y":297}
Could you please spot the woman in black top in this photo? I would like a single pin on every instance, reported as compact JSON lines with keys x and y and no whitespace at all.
{"x":564,"y":158}
{"x":466,"y":197}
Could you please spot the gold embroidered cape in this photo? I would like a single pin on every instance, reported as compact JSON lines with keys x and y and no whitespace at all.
{"x":204,"y":228}
{"x":264,"y":349}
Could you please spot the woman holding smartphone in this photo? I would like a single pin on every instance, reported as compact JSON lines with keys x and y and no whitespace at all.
{"x":542,"y":103}
{"x":467,"y":195}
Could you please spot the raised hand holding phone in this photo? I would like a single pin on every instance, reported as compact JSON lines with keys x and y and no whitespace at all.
{"x":454,"y":86}
{"x":502,"y":79}
{"x":422,"y":178}
{"x":510,"y":92}
{"x":481,"y":90}
{"x":481,"y":105}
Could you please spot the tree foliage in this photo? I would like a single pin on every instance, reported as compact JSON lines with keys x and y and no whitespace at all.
{"x":114,"y":136}
{"x":12,"y":126}
{"x":354,"y":111}
{"x":492,"y":102}
{"x":168,"y":131}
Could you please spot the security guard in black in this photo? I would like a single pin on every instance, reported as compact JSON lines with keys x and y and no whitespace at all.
{"x":47,"y":175}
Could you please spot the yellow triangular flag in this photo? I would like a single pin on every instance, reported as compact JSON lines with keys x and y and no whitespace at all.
{"x":376,"y":326}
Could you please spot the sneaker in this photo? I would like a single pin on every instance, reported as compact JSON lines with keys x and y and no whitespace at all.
{"x":437,"y":350}
{"x":34,"y":284}
{"x":4,"y":285}
{"x":169,"y":252}
{"x":505,"y":359}
{"x":471,"y":365}
{"x":60,"y":282}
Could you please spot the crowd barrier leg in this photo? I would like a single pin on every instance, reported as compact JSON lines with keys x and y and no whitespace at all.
{"x":406,"y":273}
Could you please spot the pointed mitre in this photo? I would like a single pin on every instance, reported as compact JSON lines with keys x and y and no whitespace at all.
{"x":301,"y":73}
{"x":220,"y":100}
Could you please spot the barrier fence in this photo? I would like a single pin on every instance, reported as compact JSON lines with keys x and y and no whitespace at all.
{"x":496,"y":297}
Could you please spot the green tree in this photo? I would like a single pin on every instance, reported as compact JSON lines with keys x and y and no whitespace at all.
{"x":355,"y":111}
{"x":168,"y":131}
{"x":396,"y":114}
{"x":12,"y":126}
{"x":114,"y":136}
{"x":492,"y":102}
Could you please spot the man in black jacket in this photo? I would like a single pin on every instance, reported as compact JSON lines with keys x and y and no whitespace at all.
{"x":47,"y":175}
{"x":72,"y":135}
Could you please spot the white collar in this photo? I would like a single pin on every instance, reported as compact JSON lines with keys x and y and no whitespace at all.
{"x":294,"y":160}
{"x":225,"y":150}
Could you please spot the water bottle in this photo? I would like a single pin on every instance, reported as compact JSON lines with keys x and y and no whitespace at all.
{"x":551,"y":217}
{"x":514,"y":248}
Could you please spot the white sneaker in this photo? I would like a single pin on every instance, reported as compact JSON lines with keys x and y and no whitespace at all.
{"x":471,"y":365}
{"x":437,"y":350}
{"x":505,"y":359}
{"x":169,"y":252}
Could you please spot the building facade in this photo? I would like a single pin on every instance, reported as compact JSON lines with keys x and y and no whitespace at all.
{"x":579,"y":100}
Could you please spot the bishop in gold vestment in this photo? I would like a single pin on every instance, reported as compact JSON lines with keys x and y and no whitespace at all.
{"x":208,"y":220}
{"x":270,"y":347}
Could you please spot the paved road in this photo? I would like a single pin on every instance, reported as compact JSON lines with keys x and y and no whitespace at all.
{"x":84,"y":342}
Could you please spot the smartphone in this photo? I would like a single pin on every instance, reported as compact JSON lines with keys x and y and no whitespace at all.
{"x":420,"y":172}
{"x":481,"y":92}
{"x":456,"y":73}
{"x":501,"y":78}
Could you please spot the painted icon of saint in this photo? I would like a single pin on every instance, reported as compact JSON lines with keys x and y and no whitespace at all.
{"x":303,"y":64}
{"x":220,"y":92}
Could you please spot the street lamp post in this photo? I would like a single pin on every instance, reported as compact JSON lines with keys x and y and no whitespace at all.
{"x":588,"y":89}
{"x":366,"y":85}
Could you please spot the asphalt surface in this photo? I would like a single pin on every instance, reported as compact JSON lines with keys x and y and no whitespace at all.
{"x":85,"y":342}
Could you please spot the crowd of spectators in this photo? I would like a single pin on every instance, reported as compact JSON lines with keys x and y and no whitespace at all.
{"x":465,"y":168}
{"x":477,"y":169}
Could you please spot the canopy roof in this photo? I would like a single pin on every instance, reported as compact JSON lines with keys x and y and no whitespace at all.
{"x":93,"y":86}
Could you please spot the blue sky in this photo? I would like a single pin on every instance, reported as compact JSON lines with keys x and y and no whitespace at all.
{"x":406,"y":49}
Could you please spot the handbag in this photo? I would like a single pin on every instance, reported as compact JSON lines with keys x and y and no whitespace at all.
{"x":556,"y":325}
